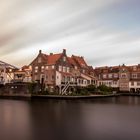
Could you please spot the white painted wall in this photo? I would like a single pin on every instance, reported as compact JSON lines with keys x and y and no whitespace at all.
{"x":58,"y":78}
{"x":134,"y":86}
{"x":109,"y":83}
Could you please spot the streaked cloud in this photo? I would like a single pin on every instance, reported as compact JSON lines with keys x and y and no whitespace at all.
{"x":104,"y":32}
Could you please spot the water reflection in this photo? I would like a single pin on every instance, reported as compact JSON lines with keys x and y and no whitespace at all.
{"x":99,"y":119}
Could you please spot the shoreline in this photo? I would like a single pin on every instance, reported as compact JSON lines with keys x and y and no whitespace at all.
{"x":63,"y":97}
{"x":72,"y":97}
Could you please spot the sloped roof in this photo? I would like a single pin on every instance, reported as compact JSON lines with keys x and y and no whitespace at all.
{"x":44,"y":56}
{"x":71,"y":61}
{"x":53,"y":58}
{"x":80,"y":60}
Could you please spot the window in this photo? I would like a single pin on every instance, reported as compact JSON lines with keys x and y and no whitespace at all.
{"x":110,"y":75}
{"x":115,"y":75}
{"x":110,"y":83}
{"x":104,"y":76}
{"x":134,"y":75}
{"x":123,"y":75}
{"x":83,"y":71}
{"x":30,"y":67}
{"x":36,"y":69}
{"x":42,"y":69}
{"x":52,"y":66}
{"x":64,"y":69}
{"x":39,"y":60}
{"x":64,"y":58}
{"x":75,"y":67}
{"x":132,"y":83}
{"x":60,"y":68}
{"x":68,"y":69}
{"x":115,"y":82}
{"x":138,"y":83}
{"x":47,"y":67}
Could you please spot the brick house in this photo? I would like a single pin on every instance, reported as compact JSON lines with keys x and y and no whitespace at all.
{"x":123,"y":78}
{"x":60,"y":72}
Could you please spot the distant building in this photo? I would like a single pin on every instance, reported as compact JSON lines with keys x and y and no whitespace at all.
{"x":61,"y":72}
{"x":23,"y":75}
{"x":6,"y":72}
{"x":122,"y":78}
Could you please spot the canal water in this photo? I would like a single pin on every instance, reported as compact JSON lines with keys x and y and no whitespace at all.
{"x":114,"y":118}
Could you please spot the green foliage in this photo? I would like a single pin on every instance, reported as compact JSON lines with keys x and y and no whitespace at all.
{"x":104,"y":88}
{"x":91,"y":88}
{"x":31,"y":87}
{"x":81,"y":90}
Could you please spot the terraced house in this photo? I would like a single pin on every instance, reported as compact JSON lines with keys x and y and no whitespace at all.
{"x":123,"y":78}
{"x":62,"y":73}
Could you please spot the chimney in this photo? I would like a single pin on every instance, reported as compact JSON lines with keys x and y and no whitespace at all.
{"x":64,"y":51}
{"x":51,"y":53}
{"x":40,"y":51}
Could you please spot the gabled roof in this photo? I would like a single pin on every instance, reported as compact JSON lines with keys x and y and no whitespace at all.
{"x":71,"y":61}
{"x":53,"y":58}
{"x":80,"y":60}
{"x":44,"y":56}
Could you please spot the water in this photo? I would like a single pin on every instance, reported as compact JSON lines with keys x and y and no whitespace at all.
{"x":96,"y":119}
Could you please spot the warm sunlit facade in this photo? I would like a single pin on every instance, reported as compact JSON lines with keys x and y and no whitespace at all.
{"x":62,"y":72}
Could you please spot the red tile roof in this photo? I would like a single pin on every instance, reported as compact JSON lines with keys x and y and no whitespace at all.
{"x":52,"y":59}
{"x":80,"y":60}
{"x":71,"y":61}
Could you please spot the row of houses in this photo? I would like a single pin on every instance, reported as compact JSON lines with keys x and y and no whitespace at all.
{"x":122,"y":78}
{"x":56,"y":72}
{"x":61,"y":73}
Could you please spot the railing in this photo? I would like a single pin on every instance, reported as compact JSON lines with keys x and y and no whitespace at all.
{"x":64,"y":90}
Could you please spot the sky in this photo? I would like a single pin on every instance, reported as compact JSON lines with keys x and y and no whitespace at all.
{"x":105,"y":32}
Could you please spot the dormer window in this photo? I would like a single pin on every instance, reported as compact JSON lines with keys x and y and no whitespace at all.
{"x":39,"y":60}
{"x":64,"y":58}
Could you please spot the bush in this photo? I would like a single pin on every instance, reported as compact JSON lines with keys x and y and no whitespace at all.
{"x":81,"y":90}
{"x":104,"y":88}
{"x":32,"y":87}
{"x":91,"y":88}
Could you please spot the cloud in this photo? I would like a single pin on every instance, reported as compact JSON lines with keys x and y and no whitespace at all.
{"x":84,"y":28}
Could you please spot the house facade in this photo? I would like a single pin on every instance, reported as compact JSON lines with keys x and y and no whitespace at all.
{"x":123,"y":78}
{"x":61,"y":72}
